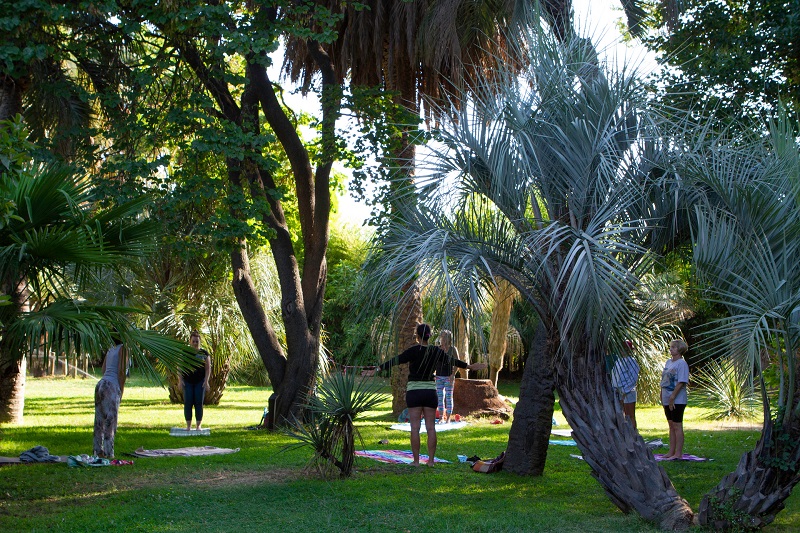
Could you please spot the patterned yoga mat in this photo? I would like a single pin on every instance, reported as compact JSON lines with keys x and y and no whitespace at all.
{"x":685,"y":457}
{"x":395,"y":456}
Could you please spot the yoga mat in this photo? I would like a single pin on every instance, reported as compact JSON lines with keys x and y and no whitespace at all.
{"x":563,"y":442}
{"x":685,"y":457}
{"x":184,"y":452}
{"x":16,"y":461}
{"x":439,"y":427}
{"x":183,"y":432}
{"x":396,"y":456}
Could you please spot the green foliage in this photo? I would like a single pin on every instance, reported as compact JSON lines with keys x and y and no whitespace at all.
{"x":333,"y":407}
{"x":733,"y":54}
{"x":725,"y":516}
{"x":726,"y":391}
{"x":384,"y":128}
{"x":347,"y":332}
{"x":54,"y":244}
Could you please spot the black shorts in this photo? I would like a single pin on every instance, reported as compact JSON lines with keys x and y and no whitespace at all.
{"x":675,"y":415}
{"x":422,"y":398}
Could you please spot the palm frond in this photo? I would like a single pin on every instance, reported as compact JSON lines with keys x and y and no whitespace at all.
{"x":726,"y":391}
{"x":74,"y":327}
{"x":544,"y":181}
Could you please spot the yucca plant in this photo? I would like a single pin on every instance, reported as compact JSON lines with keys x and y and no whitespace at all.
{"x":337,"y":401}
{"x":726,"y":391}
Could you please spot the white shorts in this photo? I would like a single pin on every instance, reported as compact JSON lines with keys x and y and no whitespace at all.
{"x":625,"y":397}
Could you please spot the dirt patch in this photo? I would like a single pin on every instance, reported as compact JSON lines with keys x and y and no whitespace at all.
{"x":231,"y":478}
{"x":219,"y":478}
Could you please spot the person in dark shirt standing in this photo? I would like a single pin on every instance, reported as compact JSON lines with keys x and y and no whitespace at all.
{"x":194,"y":383}
{"x":421,"y":398}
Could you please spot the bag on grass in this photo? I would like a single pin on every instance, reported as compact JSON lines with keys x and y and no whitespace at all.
{"x":490,"y":465}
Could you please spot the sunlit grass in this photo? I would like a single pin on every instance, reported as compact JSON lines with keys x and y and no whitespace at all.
{"x":267,"y":489}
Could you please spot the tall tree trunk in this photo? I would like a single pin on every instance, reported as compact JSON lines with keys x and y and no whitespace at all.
{"x":409,"y":309}
{"x":12,"y":391}
{"x":501,"y":315}
{"x":12,"y":362}
{"x":751,"y":496}
{"x":529,"y":436}
{"x":291,"y":373}
{"x":461,"y":339}
{"x":616,"y":453}
{"x":10,"y":97}
{"x":293,"y":377}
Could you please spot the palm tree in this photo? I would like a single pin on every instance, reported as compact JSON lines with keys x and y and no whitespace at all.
{"x":52,"y":244}
{"x":566,"y":158}
{"x":412,"y":50}
{"x":747,"y":247}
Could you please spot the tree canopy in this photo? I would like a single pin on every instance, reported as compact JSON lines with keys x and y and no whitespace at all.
{"x":738,"y":55}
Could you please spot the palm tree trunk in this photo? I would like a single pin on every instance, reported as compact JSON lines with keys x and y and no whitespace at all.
{"x":409,"y":309}
{"x":12,"y":391}
{"x":461,"y":339}
{"x":12,"y":362}
{"x":616,"y":453}
{"x":529,"y":436}
{"x":751,"y":496}
{"x":501,"y":315}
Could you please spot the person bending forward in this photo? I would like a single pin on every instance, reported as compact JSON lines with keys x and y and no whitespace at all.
{"x":107,"y":395}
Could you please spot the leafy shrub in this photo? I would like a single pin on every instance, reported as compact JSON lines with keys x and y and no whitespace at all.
{"x":332,"y":408}
{"x":727,"y":391}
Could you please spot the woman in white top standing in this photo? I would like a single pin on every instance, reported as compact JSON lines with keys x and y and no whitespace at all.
{"x":674,"y":381}
{"x":445,"y":377}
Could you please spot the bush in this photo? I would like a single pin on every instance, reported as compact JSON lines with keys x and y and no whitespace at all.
{"x":727,"y":391}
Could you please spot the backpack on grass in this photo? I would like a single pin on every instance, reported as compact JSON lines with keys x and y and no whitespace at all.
{"x":490,"y":465}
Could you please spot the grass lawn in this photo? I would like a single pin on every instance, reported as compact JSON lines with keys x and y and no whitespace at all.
{"x":266,"y":489}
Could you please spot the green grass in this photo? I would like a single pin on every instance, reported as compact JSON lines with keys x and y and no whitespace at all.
{"x":263,"y":488}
